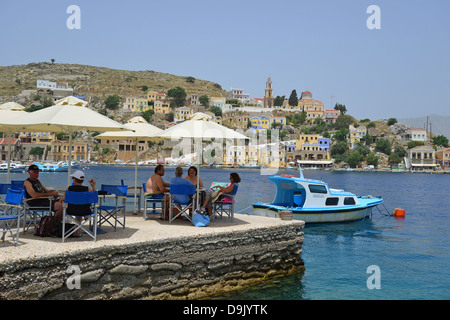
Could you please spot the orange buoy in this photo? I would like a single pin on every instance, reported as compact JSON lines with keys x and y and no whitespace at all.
{"x":399,"y":212}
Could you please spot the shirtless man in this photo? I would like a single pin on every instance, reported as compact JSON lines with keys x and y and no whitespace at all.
{"x":156,"y":184}
{"x":157,"y":187}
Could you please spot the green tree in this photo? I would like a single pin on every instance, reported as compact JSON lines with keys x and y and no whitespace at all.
{"x":372,"y":159}
{"x":112,"y":102}
{"x":341,"y":135}
{"x":391,"y":121}
{"x":341,"y":108}
{"x":400,"y":151}
{"x":178,"y":96}
{"x":338,"y":148}
{"x":354,"y":158}
{"x":216,"y":110}
{"x":190,"y":79}
{"x":278,"y":101}
{"x":440,"y":141}
{"x":37,"y":151}
{"x":413,"y":144}
{"x":147,"y":115}
{"x":383,"y":145}
{"x":394,"y":158}
{"x":144,"y":88}
{"x":343,"y":122}
{"x":204,"y":100}
{"x":293,"y":99}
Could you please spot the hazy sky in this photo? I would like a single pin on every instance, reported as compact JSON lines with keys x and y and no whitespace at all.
{"x":401,"y":70}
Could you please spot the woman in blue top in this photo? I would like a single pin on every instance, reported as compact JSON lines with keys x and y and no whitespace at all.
{"x":231,"y":189}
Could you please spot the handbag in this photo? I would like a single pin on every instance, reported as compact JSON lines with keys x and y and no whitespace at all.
{"x":214,"y":196}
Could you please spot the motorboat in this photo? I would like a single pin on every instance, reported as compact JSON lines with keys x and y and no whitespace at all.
{"x":313,"y":201}
{"x":13,"y":167}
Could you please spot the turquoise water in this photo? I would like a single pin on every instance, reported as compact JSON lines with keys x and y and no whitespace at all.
{"x":412,"y":253}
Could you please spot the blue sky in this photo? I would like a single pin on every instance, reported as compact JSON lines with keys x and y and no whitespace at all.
{"x":401,"y":70}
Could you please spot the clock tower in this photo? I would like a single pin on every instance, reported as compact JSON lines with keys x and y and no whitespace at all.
{"x":268,"y":96}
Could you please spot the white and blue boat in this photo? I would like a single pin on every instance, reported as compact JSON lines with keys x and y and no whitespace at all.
{"x":314,"y":202}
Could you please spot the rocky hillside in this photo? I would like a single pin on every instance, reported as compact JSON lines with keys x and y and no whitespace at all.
{"x":96,"y":82}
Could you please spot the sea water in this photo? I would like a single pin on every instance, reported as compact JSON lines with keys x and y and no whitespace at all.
{"x":411,"y":255}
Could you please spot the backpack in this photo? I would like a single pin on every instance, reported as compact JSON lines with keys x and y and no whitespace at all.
{"x":48,"y":227}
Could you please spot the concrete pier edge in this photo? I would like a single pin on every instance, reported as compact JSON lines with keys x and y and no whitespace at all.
{"x":193,"y":266}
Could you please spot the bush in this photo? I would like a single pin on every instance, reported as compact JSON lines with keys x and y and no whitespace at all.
{"x":383,"y":145}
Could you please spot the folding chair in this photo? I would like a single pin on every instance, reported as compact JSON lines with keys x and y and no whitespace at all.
{"x":17,"y":184}
{"x":10,"y":212}
{"x":134,"y":192}
{"x":36,"y":212}
{"x":225,"y":204}
{"x":183,"y":207}
{"x":107,"y":211}
{"x":88,"y":212}
{"x":4,"y":189}
{"x":153,"y":200}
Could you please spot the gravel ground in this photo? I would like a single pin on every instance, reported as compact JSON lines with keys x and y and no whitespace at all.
{"x":137,"y":230}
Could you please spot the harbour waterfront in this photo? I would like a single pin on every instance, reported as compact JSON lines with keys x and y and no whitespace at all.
{"x":412,"y":253}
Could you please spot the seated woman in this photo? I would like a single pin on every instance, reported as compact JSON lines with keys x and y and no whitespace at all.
{"x":77,"y":186}
{"x":192,"y":177}
{"x":231,"y":189}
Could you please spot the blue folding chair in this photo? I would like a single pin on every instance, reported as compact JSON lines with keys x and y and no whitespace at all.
{"x":135,"y":193}
{"x":3,"y":190}
{"x":180,"y":198}
{"x":154,"y":200}
{"x":10,"y":212}
{"x":108,"y":211}
{"x":36,"y":212}
{"x":17,"y":184}
{"x":80,"y":205}
{"x":225,"y":204}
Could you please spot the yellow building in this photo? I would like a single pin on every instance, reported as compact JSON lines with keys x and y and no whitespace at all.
{"x":355,"y":134}
{"x":60,"y":150}
{"x":141,"y":104}
{"x":37,"y":137}
{"x":277,"y":119}
{"x":182,"y":113}
{"x":306,"y":139}
{"x":130,"y":103}
{"x":306,"y":103}
{"x":260,"y":122}
{"x":161,"y":107}
{"x":312,"y":115}
{"x":156,"y":96}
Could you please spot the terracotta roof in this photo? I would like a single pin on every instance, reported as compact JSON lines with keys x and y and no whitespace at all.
{"x":5,"y":141}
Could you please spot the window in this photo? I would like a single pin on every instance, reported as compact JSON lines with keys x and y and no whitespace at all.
{"x":332,"y":201}
{"x":314,"y":188}
{"x":349,"y":201}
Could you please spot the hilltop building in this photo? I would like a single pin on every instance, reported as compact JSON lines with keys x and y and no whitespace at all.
{"x":268,"y":95}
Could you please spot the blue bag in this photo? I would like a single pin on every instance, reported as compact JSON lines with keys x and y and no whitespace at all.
{"x":200,"y":220}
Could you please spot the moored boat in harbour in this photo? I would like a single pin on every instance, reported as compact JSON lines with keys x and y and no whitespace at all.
{"x":314,"y":202}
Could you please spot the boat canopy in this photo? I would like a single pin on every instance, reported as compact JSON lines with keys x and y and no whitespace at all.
{"x":290,"y":193}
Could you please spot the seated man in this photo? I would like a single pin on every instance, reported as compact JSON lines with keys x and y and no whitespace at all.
{"x":156,"y":184}
{"x":35,"y":189}
{"x":156,"y":187}
{"x":178,"y":180}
